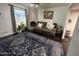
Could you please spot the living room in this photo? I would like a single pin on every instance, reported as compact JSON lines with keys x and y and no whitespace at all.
{"x":44,"y":20}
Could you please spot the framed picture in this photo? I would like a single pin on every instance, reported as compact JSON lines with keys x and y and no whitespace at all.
{"x":48,"y":14}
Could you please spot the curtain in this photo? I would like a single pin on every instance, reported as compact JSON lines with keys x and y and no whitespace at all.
{"x":13,"y":18}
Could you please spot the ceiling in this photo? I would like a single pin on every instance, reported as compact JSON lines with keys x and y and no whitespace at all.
{"x":48,"y":4}
{"x":53,"y":4}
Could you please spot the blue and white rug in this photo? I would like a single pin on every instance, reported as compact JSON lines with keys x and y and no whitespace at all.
{"x":29,"y":44}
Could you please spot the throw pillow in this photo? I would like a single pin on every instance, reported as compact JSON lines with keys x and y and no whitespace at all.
{"x":40,"y":25}
{"x":51,"y":27}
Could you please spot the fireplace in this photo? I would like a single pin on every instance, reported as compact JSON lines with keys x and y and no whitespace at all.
{"x":33,"y":24}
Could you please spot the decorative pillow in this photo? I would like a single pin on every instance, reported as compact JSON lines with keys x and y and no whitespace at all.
{"x":40,"y":25}
{"x":51,"y":27}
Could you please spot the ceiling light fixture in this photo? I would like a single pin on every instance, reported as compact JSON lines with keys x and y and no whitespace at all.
{"x":34,"y":4}
{"x":31,"y":5}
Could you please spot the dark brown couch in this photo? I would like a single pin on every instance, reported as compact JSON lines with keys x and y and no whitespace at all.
{"x":44,"y":30}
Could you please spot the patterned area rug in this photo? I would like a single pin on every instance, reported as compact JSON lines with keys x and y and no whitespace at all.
{"x":29,"y":44}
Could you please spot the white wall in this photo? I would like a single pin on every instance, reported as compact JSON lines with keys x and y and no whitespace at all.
{"x":32,"y":15}
{"x":74,"y":44}
{"x":5,"y":20}
{"x":59,"y":15}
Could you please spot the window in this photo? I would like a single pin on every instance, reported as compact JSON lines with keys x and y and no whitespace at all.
{"x":20,"y":18}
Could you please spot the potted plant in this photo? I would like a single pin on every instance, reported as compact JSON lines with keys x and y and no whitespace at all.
{"x":21,"y":28}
